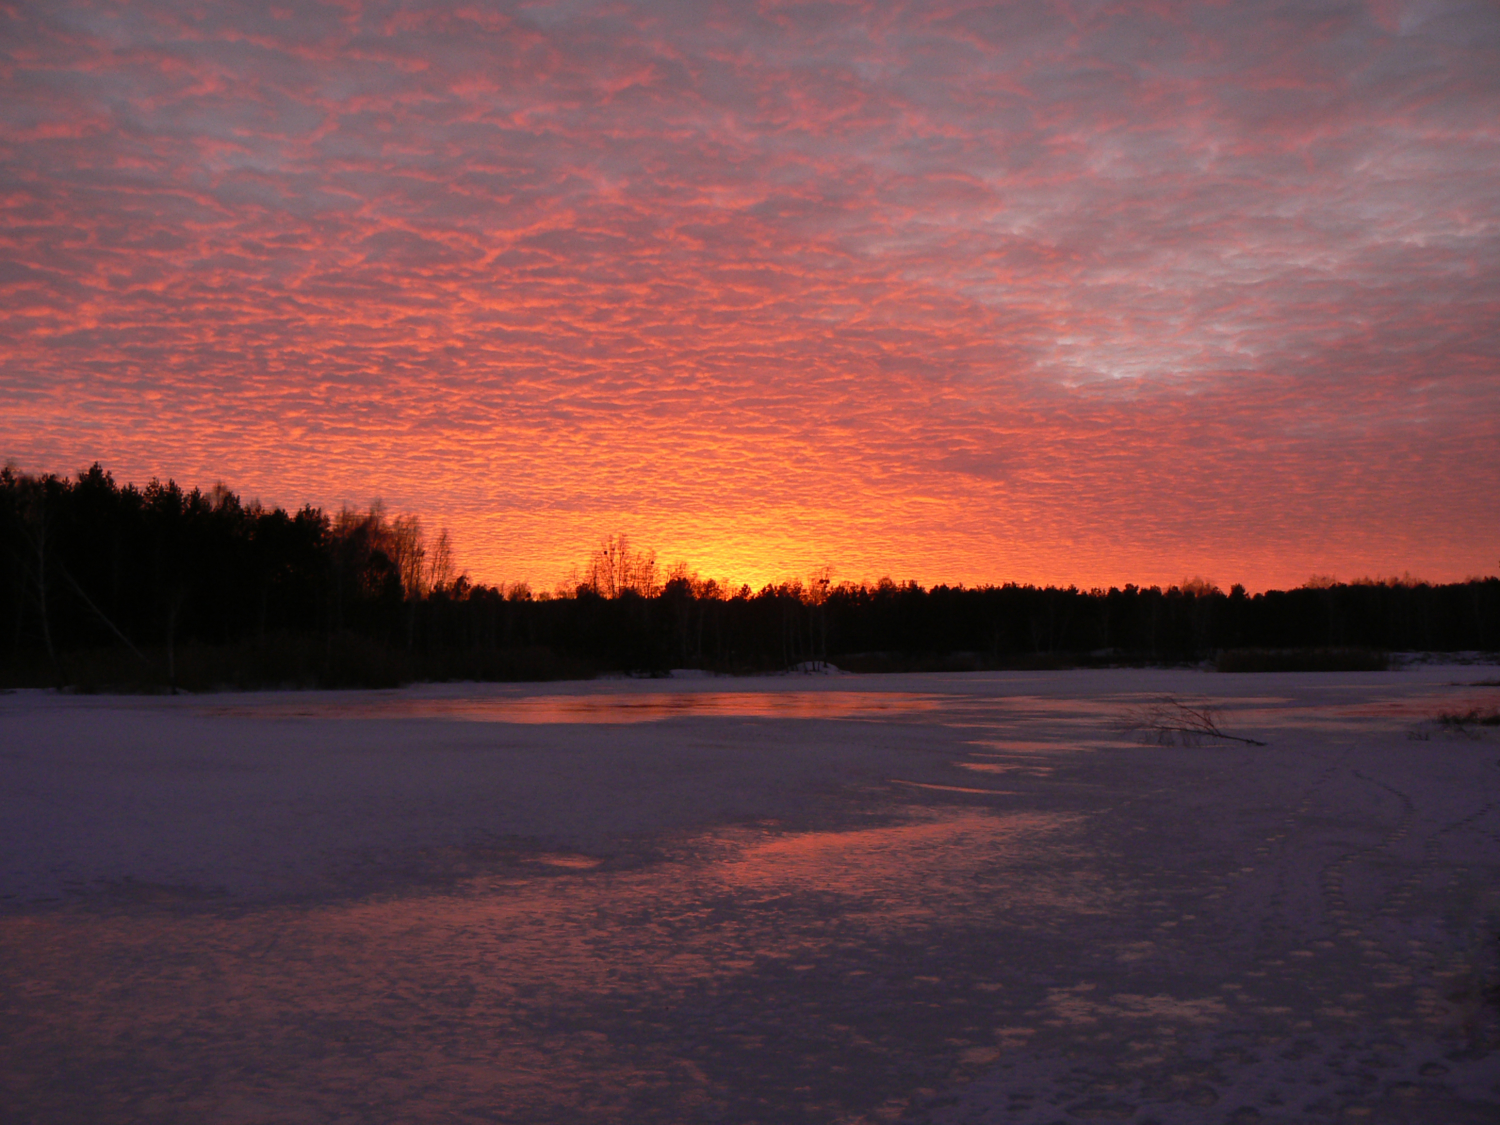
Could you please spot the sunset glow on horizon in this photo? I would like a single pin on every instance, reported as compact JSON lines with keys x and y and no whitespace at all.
{"x":1072,"y":293}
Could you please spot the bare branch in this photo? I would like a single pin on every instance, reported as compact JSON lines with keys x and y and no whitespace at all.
{"x":1171,"y":721}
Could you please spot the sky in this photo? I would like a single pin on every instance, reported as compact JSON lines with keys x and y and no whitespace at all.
{"x":1075,"y":292}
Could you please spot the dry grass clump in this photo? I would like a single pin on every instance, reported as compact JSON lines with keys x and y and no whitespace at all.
{"x":1474,"y":717}
{"x":1461,"y":724}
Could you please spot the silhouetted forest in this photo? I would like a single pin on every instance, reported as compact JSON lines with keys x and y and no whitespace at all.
{"x":156,"y":587}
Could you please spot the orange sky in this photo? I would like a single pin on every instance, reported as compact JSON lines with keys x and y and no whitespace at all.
{"x":1053,"y":293}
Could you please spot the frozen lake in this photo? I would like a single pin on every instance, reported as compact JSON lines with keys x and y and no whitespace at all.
{"x":932,"y":898}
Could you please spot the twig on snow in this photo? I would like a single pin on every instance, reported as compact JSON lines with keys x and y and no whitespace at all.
{"x":1169,"y":721}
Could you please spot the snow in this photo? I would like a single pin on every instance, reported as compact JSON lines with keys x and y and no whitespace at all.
{"x":960,"y":897}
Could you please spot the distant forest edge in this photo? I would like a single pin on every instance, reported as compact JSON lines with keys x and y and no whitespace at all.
{"x":109,"y":587}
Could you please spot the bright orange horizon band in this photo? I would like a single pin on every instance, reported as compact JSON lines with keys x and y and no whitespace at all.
{"x":946,"y":293}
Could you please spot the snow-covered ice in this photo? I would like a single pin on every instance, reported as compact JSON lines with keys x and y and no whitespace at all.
{"x":932,"y":898}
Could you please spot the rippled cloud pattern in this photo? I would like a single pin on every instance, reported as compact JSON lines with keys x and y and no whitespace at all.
{"x":1075,"y":292}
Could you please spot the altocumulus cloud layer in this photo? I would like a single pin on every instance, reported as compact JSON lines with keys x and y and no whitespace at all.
{"x":1078,"y":291}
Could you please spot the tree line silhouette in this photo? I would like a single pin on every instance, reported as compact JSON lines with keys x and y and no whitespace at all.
{"x":157,"y":587}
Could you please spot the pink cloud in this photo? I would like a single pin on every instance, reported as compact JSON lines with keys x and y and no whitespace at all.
{"x":1091,"y":293}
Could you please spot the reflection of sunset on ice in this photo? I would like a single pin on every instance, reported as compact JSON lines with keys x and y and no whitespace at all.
{"x":924,"y":898}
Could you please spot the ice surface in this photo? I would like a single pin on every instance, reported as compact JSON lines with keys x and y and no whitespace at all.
{"x":928,"y":898}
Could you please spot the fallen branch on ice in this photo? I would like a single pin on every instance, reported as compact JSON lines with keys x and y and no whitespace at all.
{"x":1169,"y":721}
